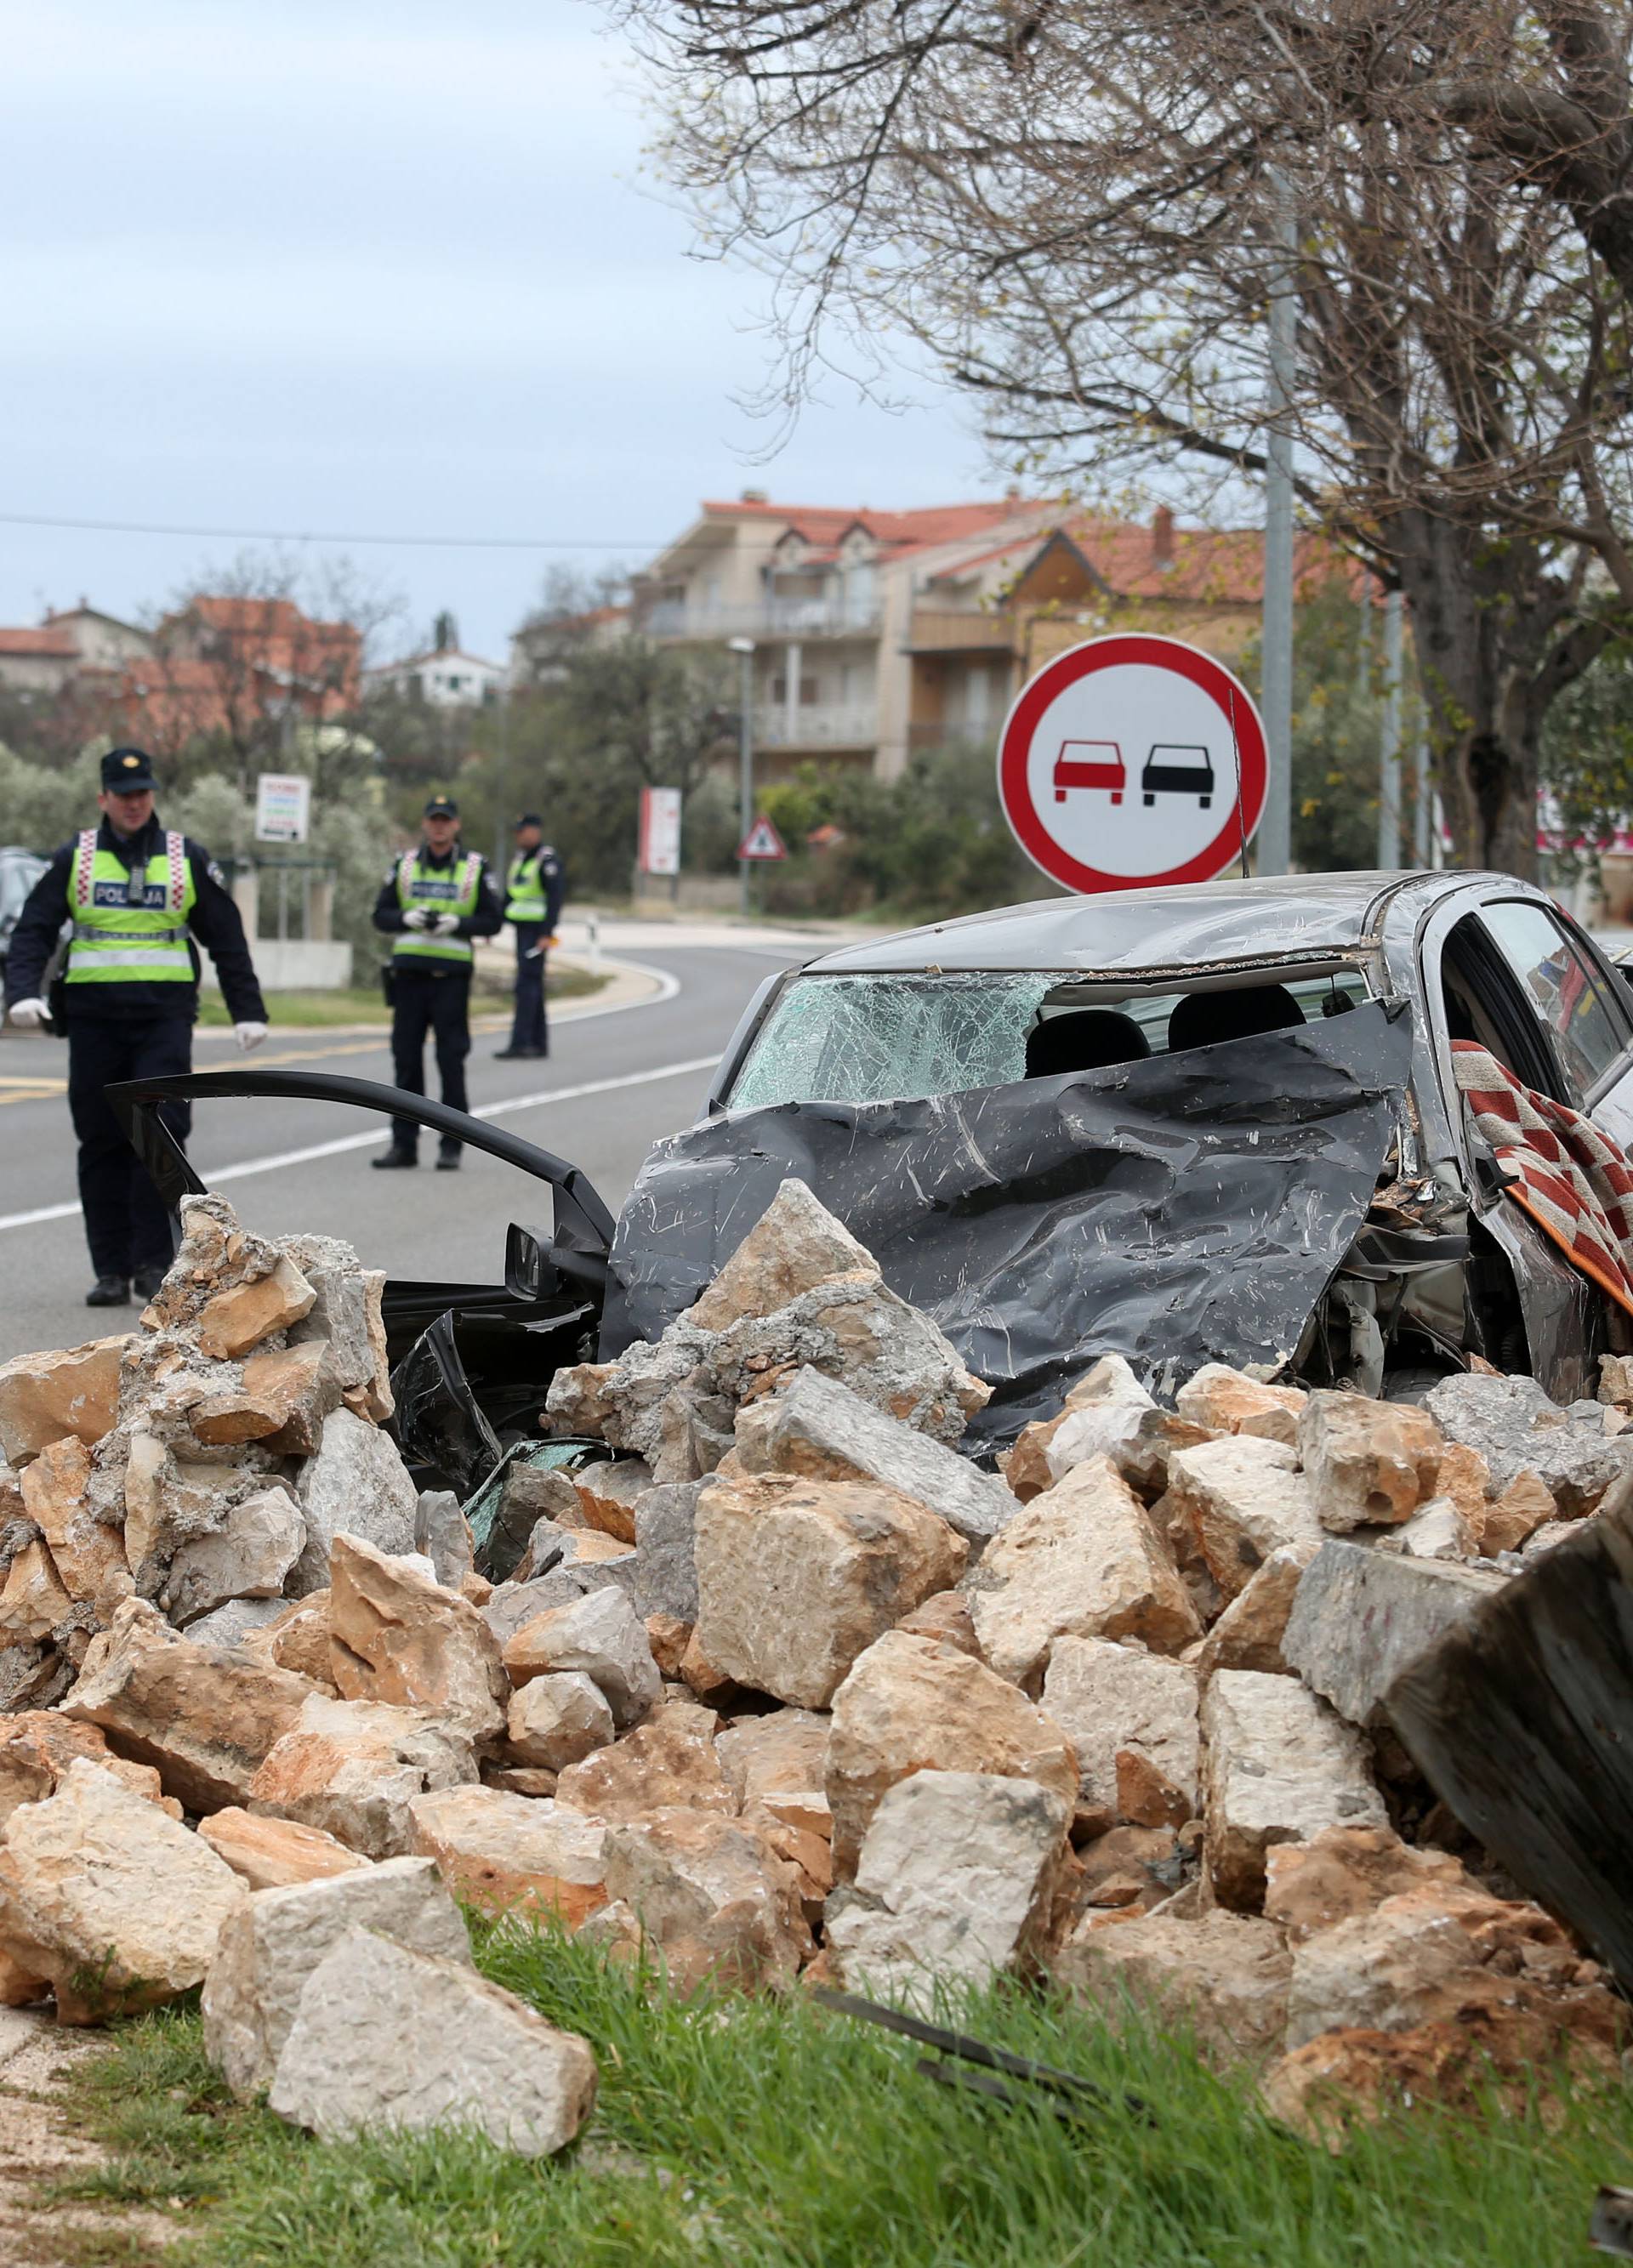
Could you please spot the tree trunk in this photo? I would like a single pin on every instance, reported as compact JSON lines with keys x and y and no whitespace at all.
{"x":1479,"y":677}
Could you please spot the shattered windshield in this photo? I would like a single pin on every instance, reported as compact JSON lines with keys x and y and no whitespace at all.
{"x":903,"y":1038}
{"x":886,"y":1039}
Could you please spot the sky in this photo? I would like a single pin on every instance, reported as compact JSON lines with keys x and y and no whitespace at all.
{"x":374,"y":266}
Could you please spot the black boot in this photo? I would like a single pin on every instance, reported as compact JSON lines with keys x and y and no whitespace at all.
{"x":147,"y":1281}
{"x":393,"y":1160}
{"x":109,"y":1291}
{"x":449,"y":1157}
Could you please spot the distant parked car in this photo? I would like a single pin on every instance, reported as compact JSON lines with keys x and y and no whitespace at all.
{"x":1172,"y":770}
{"x":1090,"y":763}
{"x":19,"y":871}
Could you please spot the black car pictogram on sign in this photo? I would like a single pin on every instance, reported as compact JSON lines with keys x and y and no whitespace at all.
{"x":1173,"y":769}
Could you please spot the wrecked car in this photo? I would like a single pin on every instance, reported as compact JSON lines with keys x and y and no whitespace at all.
{"x":1216,"y":1122}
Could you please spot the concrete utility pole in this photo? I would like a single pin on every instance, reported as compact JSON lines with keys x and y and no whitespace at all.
{"x":1389,"y":754}
{"x":1424,"y":827}
{"x":1276,"y":828}
{"x":744,"y":647}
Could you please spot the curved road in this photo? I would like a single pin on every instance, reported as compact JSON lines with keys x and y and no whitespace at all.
{"x":615,"y":1082}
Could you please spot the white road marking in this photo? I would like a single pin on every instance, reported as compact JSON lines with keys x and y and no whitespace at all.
{"x":503,"y":1109}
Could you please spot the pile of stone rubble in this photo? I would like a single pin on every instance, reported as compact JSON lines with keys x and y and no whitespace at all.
{"x":788,"y":1687}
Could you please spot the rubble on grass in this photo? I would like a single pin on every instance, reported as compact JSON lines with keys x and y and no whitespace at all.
{"x":788,"y":1685}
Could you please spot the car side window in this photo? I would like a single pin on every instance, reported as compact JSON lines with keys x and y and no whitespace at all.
{"x":1587,"y":1024}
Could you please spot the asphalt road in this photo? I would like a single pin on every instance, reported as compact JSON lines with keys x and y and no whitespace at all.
{"x":616,"y":1081}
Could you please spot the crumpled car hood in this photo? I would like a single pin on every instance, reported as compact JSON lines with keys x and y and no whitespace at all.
{"x":1188,"y":1209}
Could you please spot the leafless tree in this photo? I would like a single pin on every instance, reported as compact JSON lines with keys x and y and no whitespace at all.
{"x":1084,"y":209}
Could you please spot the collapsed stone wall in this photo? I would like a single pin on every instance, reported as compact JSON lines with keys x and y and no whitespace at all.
{"x":788,"y":1689}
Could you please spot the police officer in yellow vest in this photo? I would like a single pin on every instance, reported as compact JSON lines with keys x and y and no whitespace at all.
{"x":535,"y":887}
{"x":433,"y":903}
{"x":141,"y":901}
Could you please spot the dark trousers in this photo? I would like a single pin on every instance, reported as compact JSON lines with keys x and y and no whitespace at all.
{"x":126,"y":1225}
{"x":440,"y":1005}
{"x":529,"y":1028}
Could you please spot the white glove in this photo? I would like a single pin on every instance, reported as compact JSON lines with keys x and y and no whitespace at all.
{"x":249,"y":1036}
{"x":447,"y":925}
{"x":28,"y":1015}
{"x":419,"y":918}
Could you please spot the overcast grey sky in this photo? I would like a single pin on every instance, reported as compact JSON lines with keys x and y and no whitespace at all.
{"x":370,"y":265}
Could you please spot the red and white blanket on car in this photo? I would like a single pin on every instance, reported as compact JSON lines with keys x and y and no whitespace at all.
{"x":1572,"y":1180}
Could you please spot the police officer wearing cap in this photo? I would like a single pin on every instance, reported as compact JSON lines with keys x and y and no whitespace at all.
{"x":433,"y":903}
{"x":142,"y":900}
{"x":535,"y":887}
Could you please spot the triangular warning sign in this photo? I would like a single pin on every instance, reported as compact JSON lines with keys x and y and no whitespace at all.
{"x":762,"y":841}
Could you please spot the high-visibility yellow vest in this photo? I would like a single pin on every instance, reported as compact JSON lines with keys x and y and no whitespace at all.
{"x":453,"y":889}
{"x":526,"y":901}
{"x":130,"y":928}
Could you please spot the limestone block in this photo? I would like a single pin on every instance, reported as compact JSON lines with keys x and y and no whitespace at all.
{"x":442,"y":1533}
{"x":557,"y":1720}
{"x":955,"y":1884}
{"x":668,"y":1763}
{"x":666,"y":1581}
{"x":297,"y":1639}
{"x":1224,"y":1975}
{"x":599,"y":1634}
{"x":1122,"y":1708}
{"x":1082,"y":1560}
{"x":118,"y":1904}
{"x":273,"y":1854}
{"x":797,"y":1578}
{"x":1436,"y":1530}
{"x":795,"y":1245}
{"x":45,"y":1396}
{"x":386,"y":2037}
{"x":1516,"y":1429}
{"x":1230,"y":1402}
{"x":357,"y":1483}
{"x":504,"y":1852}
{"x":236,"y":1622}
{"x":710,"y":1897}
{"x":813,"y":1426}
{"x":1428,"y":1954}
{"x":33,"y":1602}
{"x":241,"y":1316}
{"x":248,"y":1556}
{"x":1278,"y":1767}
{"x":1346,"y":1871}
{"x":1513,"y":1518}
{"x":1242,"y":1499}
{"x":910,"y":1704}
{"x":283,"y":1398}
{"x":1248,"y":1634}
{"x":37,"y":1746}
{"x":779,"y":1764}
{"x":88,"y":1557}
{"x":945,"y":1616}
{"x":399,"y":1637}
{"x":1361,"y":1616}
{"x":205,"y":1718}
{"x":275,"y":1942}
{"x":608,"y":1493}
{"x":352,"y":1768}
{"x":1367,"y":1462}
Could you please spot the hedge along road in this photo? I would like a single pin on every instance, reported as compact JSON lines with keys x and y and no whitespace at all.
{"x":617,"y":1080}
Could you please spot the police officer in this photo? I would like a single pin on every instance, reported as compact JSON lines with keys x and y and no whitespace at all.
{"x":433,"y":903}
{"x":532,"y":908}
{"x":139,"y":897}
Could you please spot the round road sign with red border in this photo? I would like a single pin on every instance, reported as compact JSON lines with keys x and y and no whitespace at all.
{"x":1130,"y":762}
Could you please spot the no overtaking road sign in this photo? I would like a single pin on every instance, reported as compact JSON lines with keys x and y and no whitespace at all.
{"x":1131,"y":761}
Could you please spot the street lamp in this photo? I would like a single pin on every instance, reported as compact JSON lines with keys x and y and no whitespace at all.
{"x":745,"y":647}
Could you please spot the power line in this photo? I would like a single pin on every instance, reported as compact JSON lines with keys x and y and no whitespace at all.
{"x":314,"y":535}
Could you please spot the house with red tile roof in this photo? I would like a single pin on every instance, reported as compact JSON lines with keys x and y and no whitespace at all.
{"x":70,"y":647}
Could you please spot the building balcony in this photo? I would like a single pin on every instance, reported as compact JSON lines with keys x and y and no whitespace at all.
{"x":947,"y":629}
{"x":789,"y":618}
{"x":817,"y":725}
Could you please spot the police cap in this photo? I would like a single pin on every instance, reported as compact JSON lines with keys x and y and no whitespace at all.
{"x":530,"y":819}
{"x":127,"y":771}
{"x":442,"y":806}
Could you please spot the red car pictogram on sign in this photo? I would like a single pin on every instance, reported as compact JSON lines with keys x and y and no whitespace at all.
{"x":1090,"y":763}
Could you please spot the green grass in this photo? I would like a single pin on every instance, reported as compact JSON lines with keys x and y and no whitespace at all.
{"x":756,"y":2134}
{"x":364,"y":1004}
